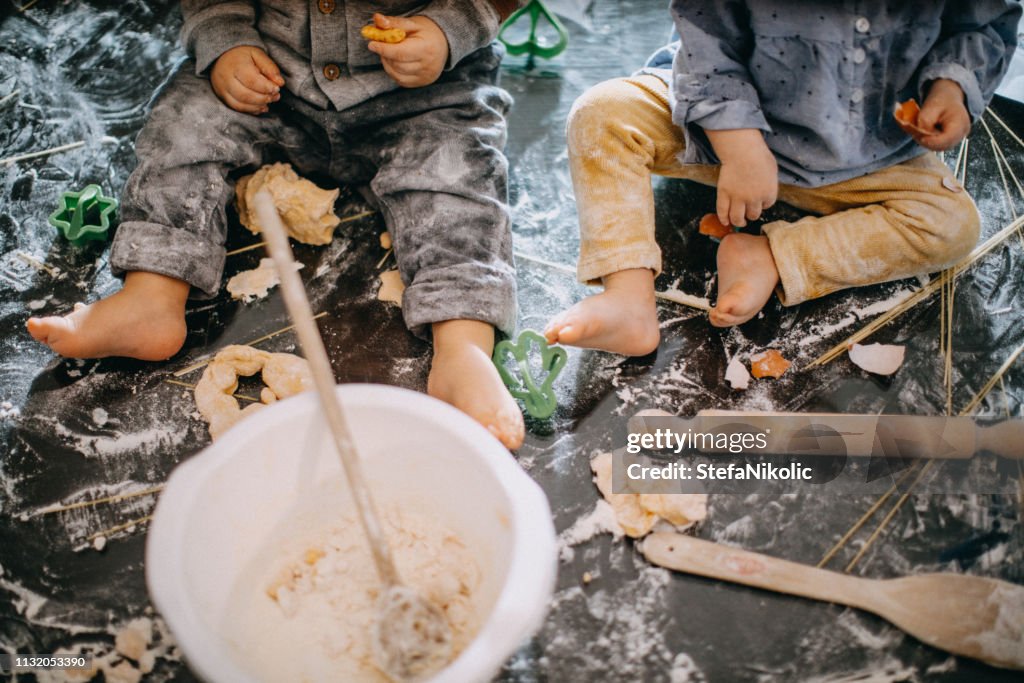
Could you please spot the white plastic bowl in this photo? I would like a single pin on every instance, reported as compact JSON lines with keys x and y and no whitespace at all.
{"x":218,"y":507}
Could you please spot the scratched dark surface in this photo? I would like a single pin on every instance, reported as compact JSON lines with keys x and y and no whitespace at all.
{"x":73,"y":430}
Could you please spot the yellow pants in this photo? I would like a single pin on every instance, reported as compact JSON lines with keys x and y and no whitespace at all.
{"x":901,"y":221}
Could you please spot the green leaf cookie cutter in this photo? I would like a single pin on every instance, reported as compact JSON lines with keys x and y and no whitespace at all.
{"x":84,"y":216}
{"x":535,"y":10}
{"x":536,"y":393}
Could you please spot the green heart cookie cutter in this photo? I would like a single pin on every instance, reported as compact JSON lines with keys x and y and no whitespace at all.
{"x":84,"y":216}
{"x":536,"y":394}
{"x":533,"y":46}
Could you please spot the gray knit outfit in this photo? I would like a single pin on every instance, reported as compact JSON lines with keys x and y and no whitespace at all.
{"x":429,"y":157}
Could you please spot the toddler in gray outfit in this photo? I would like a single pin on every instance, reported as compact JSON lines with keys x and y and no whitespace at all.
{"x":419,"y":123}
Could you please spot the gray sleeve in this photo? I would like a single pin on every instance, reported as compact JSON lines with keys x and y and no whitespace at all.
{"x":977,"y":43}
{"x":467,"y":24}
{"x":712,"y":87}
{"x":212,"y":27}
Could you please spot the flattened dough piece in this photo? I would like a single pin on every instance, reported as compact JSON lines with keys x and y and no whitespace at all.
{"x":307,"y":210}
{"x":633,"y":518}
{"x":638,"y":513}
{"x":391,"y":287}
{"x":250,"y":285}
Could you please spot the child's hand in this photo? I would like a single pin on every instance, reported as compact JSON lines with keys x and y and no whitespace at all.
{"x":944,"y":116}
{"x":420,"y":58}
{"x":246,"y":79}
{"x":748,"y":182}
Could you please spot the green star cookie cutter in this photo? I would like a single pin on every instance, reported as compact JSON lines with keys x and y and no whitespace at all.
{"x":84,"y":216}
{"x":536,"y":393}
{"x":533,"y":46}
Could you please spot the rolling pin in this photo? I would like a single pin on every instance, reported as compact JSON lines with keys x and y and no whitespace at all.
{"x":904,"y":436}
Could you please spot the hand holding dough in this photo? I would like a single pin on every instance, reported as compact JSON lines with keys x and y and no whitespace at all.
{"x":383,"y":35}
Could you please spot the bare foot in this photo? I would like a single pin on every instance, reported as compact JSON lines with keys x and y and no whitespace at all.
{"x":621,"y":319}
{"x":145,"y":320}
{"x":747,"y":277}
{"x":463,"y":375}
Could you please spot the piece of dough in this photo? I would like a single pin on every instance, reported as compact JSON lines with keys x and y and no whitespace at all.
{"x":285,"y":375}
{"x":307,"y":210}
{"x":385,"y":240}
{"x":250,"y":285}
{"x":637,"y":513}
{"x":383,"y":35}
{"x":134,"y":639}
{"x":391,"y":287}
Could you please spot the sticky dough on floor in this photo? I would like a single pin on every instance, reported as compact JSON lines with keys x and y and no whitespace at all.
{"x":285,"y":375}
{"x":250,"y":285}
{"x":391,"y":287}
{"x":304,"y":612}
{"x":638,"y":513}
{"x":306,"y":210}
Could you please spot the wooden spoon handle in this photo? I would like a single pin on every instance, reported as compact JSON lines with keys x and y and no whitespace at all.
{"x":312,"y":344}
{"x":705,"y":558}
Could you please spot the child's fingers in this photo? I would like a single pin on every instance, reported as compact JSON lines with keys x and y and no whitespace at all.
{"x":928,"y":119}
{"x":754,"y":210}
{"x":396,"y":52}
{"x":385,"y":21}
{"x":253,"y":79}
{"x":737,"y":214}
{"x":722,"y":207}
{"x":949,"y":128}
{"x":406,"y":79}
{"x":243,"y":94}
{"x":243,"y":107}
{"x":405,"y":68}
{"x":267,"y":67}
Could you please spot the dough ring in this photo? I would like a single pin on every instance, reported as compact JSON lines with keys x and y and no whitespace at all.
{"x":285,"y":375}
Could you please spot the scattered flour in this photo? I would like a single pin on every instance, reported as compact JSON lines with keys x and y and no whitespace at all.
{"x":137,"y":647}
{"x":148,"y":440}
{"x":100,"y":417}
{"x":857,"y":315}
{"x":633,"y":630}
{"x":600,"y":520}
{"x":684,"y":670}
{"x":9,"y":410}
{"x":1004,"y":641}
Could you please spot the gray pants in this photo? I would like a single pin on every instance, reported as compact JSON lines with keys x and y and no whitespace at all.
{"x":431,"y":158}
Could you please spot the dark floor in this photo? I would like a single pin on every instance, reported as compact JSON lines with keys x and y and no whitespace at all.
{"x":83,"y":430}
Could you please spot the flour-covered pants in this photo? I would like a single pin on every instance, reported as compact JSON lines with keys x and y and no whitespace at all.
{"x":430,"y":157}
{"x":904,"y":220}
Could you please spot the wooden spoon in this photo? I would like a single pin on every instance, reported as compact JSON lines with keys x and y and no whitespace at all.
{"x":971,"y":616}
{"x":410,"y":637}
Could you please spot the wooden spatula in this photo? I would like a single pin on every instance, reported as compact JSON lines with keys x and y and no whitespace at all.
{"x":967,"y":615}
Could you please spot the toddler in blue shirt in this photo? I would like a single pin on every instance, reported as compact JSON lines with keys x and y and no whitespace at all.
{"x":787,"y":100}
